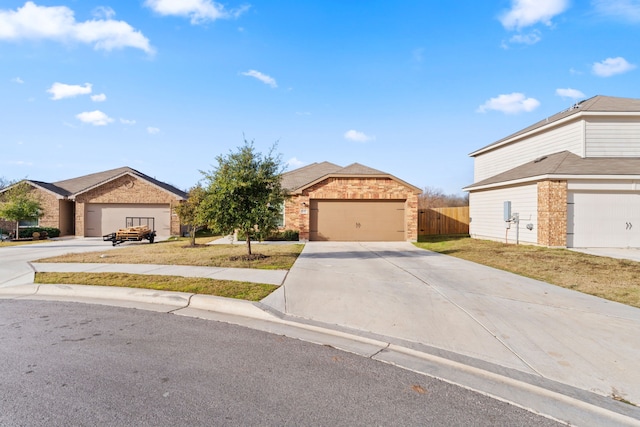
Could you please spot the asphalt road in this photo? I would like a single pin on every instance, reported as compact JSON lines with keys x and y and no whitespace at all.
{"x":81,"y":364}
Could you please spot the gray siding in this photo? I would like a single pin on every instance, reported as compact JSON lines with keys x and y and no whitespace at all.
{"x":486,"y":213}
{"x":568,"y":137}
{"x":613,"y":137}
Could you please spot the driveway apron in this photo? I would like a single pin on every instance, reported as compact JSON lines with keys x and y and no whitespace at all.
{"x":398,"y":290}
{"x":14,"y":260}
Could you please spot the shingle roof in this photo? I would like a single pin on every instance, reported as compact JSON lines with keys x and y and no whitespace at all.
{"x":599,"y":103}
{"x":50,"y":187}
{"x":86,"y":182}
{"x":301,"y":178}
{"x":565,"y":163}
{"x":297,"y":178}
{"x":75,"y":186}
{"x":358,"y":169}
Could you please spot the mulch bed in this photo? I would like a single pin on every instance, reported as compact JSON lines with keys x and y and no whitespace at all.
{"x":252,"y":257}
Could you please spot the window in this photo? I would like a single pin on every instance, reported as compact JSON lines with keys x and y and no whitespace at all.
{"x":25,"y":223}
{"x":280,"y":221}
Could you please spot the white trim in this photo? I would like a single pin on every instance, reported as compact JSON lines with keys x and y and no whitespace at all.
{"x":413,"y":188}
{"x":552,"y":125}
{"x":554,"y":177}
{"x":584,"y":138}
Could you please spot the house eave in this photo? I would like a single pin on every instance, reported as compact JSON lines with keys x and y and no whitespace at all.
{"x":556,"y":177}
{"x":39,"y":187}
{"x":73,"y":196}
{"x":301,"y":189}
{"x":574,"y":117}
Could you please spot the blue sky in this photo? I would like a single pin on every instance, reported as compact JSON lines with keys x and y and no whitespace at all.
{"x":407,"y":87}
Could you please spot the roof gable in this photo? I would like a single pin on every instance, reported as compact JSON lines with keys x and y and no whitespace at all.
{"x":85,"y":183}
{"x":40,"y":185}
{"x":565,"y":163}
{"x":596,"y":104}
{"x":297,"y":180}
{"x":358,"y":169}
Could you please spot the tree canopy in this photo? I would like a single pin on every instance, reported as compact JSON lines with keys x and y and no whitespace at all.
{"x":18,"y":203}
{"x":190,"y":211}
{"x":244,"y":193}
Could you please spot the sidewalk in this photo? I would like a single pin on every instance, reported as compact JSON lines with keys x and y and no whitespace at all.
{"x":270,"y":277}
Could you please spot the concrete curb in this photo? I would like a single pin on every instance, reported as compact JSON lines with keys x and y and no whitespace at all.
{"x":570,"y":406}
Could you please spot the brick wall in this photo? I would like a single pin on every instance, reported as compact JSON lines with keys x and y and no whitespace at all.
{"x":297,"y":206}
{"x":126,"y":189}
{"x":49,"y":204}
{"x":552,"y":213}
{"x":51,"y":209}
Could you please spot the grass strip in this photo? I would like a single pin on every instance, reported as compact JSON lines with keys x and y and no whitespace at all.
{"x":195,"y":285}
{"x":613,"y":279}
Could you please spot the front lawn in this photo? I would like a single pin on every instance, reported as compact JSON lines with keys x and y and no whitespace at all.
{"x":178,"y":252}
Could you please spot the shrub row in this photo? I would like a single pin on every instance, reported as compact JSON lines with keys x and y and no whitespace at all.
{"x":28,"y":232}
{"x":278,"y":236}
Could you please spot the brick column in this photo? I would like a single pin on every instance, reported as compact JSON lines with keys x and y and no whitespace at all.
{"x":411,"y":220}
{"x":552,"y":213}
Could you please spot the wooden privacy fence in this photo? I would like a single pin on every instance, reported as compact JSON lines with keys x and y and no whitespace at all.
{"x":443,"y":221}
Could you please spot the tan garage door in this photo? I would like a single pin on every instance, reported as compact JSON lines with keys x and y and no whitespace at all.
{"x":105,"y":218}
{"x":357,"y":220}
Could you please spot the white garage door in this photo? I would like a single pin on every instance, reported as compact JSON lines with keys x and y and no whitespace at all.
{"x":105,"y":218}
{"x":603,"y":220}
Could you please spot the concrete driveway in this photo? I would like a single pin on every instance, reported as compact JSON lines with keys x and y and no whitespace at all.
{"x":14,"y":265}
{"x":397,"y":290}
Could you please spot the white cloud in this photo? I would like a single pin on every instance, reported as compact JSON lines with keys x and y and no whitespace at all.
{"x":127,"y":122}
{"x":512,"y":103}
{"x":570,"y":93}
{"x":99,"y":97}
{"x":303,"y":113}
{"x":354,"y":135}
{"x":61,"y":90}
{"x":33,"y":22}
{"x":294,"y":163}
{"x":152,"y":130}
{"x":103,"y":12}
{"x":17,"y":80}
{"x":268,"y":80}
{"x":96,"y":118}
{"x":628,"y":10}
{"x":530,"y":39}
{"x":525,"y":13}
{"x":612,"y":66}
{"x":198,"y":11}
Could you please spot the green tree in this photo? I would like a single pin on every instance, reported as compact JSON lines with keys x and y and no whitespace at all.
{"x":18,"y":203}
{"x":190,"y":212}
{"x":244,"y":193}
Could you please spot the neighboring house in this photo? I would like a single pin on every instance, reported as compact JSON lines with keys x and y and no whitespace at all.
{"x":573,"y":178}
{"x":353,"y":203}
{"x":98,"y":204}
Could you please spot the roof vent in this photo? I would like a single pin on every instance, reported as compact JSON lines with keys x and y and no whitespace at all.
{"x":539,"y":159}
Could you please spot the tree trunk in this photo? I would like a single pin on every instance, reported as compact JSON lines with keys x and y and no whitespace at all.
{"x":248,"y":244}
{"x":192,"y":236}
